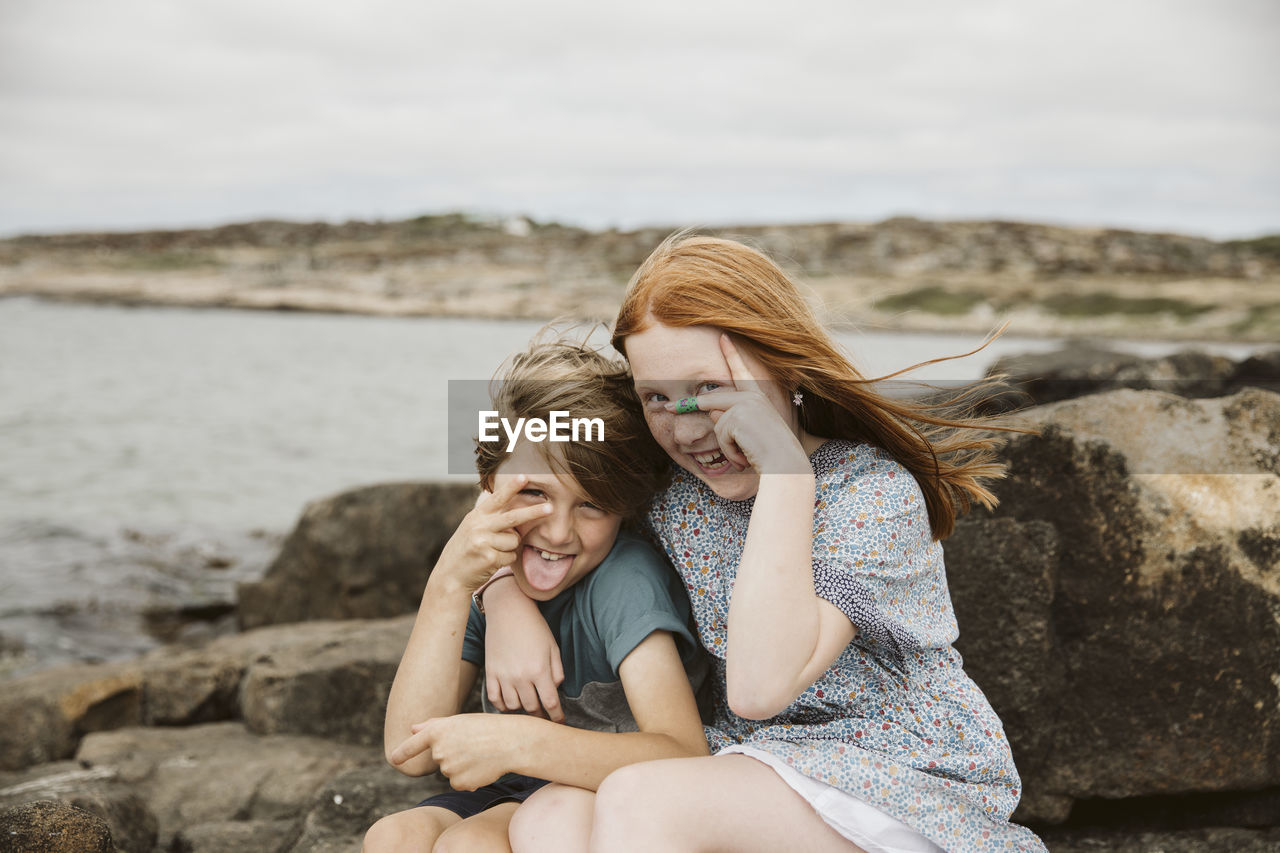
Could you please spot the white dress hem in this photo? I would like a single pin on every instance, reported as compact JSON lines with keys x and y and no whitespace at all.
{"x":855,"y":819}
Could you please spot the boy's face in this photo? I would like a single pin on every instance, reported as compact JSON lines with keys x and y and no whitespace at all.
{"x":558,"y":550}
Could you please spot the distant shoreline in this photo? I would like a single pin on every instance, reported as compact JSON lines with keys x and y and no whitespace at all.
{"x":902,"y":275}
{"x":1024,"y":325}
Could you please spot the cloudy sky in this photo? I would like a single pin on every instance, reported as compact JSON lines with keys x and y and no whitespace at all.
{"x":1153,"y":114}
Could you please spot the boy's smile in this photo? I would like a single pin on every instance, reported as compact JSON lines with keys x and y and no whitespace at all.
{"x":543,"y":569}
{"x":560,"y":549}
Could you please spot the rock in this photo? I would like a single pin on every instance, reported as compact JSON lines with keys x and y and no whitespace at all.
{"x":361,"y":554}
{"x":1259,"y":371}
{"x":203,"y":684}
{"x":196,"y":686}
{"x":45,"y":714}
{"x":1213,"y":840}
{"x":328,"y":678}
{"x":94,"y":790}
{"x":1186,"y":811}
{"x":220,"y":772}
{"x":1159,"y":675}
{"x":1081,"y":368}
{"x":236,"y":836}
{"x":47,"y":826}
{"x":353,"y":801}
{"x":133,"y":825}
{"x":332,"y":845}
{"x":53,"y":781}
{"x":336,"y":689}
{"x":1008,"y":639}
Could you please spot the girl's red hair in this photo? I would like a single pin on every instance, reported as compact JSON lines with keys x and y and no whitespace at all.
{"x":708,"y":281}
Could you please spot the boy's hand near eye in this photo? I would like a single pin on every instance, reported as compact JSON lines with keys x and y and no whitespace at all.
{"x":486,"y":540}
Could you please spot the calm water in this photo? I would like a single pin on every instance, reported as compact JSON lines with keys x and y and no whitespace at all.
{"x":152,"y":457}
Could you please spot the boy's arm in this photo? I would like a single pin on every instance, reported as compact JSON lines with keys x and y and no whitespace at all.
{"x":432,"y":676}
{"x":475,"y":749}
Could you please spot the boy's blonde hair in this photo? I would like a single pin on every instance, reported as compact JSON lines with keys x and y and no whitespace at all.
{"x":621,"y":473}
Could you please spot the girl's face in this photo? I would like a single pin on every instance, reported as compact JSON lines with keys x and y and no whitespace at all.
{"x":669,"y":363}
{"x":558,"y":550}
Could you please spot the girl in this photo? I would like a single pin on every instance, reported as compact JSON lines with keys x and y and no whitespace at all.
{"x":804,"y":517}
{"x":553,"y":512}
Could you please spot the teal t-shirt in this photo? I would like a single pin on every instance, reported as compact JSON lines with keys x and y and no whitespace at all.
{"x":598,"y":621}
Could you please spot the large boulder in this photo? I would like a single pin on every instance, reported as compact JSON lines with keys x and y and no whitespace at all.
{"x":363,"y":554}
{"x":1133,"y":649}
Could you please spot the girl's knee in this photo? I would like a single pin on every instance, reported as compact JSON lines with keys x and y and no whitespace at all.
{"x":628,"y":791}
{"x":556,"y":817}
{"x":533,"y":818}
{"x":471,"y":836}
{"x":407,"y":830}
{"x":640,"y":798}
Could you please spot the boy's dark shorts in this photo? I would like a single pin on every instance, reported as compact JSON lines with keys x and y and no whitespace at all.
{"x":512,"y":788}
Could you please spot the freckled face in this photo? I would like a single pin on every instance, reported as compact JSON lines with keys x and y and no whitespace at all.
{"x":669,"y":363}
{"x":558,"y":550}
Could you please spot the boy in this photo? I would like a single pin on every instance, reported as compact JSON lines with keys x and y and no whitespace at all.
{"x":553,"y":512}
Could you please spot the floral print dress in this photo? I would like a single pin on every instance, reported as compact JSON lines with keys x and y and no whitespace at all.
{"x":894,"y":721}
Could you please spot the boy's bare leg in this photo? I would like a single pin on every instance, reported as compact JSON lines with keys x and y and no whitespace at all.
{"x":410,"y":831}
{"x":719,"y":804}
{"x":556,"y":819}
{"x":482,"y":833}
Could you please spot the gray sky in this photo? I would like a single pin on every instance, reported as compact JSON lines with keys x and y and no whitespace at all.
{"x":1153,"y":114}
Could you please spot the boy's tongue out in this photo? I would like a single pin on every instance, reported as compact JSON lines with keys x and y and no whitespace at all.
{"x":544,"y":574}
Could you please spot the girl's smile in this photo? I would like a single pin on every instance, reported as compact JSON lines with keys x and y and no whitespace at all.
{"x":693,"y":356}
{"x":712,"y":463}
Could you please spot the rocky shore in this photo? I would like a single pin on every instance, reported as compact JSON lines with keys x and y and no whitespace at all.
{"x":901,"y":274}
{"x":1121,"y":609}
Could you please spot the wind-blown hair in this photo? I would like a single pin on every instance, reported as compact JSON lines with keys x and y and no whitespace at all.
{"x":619,"y":474}
{"x":708,"y":281}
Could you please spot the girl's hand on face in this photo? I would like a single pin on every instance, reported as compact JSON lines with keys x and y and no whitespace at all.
{"x":749,"y":428}
{"x":487,"y":540}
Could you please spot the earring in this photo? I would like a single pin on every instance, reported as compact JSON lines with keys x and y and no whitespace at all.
{"x":797,"y":398}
